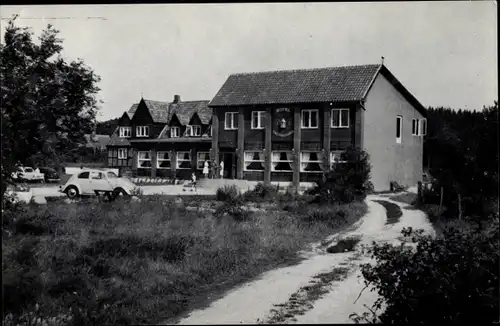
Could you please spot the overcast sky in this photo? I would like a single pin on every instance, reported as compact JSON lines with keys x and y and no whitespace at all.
{"x":445,"y":53}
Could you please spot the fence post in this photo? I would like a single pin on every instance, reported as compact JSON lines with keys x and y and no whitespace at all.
{"x":441,"y":199}
{"x":419,"y":192}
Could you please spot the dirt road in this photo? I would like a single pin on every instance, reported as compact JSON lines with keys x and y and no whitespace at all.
{"x":323,"y":288}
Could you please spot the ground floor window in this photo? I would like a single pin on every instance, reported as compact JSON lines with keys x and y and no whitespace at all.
{"x":254,"y":161}
{"x":163,"y":160}
{"x":282,"y":161}
{"x":336,"y":157}
{"x":183,"y":160}
{"x":201,"y":158}
{"x":122,"y":153}
{"x":311,"y":162}
{"x":144,"y":159}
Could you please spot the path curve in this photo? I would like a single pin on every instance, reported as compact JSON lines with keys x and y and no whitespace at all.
{"x":255,"y":301}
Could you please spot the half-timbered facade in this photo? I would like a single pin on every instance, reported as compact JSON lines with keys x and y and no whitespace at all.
{"x":162,"y":139}
{"x":290,"y":125}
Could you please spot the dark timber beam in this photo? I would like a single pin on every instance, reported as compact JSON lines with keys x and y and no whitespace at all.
{"x":296,"y":148}
{"x":267,"y":147}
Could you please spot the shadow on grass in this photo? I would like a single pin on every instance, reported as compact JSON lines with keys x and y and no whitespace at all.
{"x":393,"y":211}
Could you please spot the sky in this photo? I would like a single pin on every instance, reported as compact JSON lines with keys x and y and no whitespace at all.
{"x":444,"y":53}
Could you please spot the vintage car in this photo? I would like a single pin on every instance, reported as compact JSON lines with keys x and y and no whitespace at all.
{"x":50,"y":174}
{"x":90,"y":182}
{"x":26,"y":173}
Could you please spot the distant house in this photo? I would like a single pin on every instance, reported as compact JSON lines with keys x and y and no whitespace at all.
{"x":162,"y":139}
{"x":291,"y":125}
{"x":96,"y":141}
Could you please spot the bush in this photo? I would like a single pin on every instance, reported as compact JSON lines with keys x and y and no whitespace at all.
{"x":346,"y":182}
{"x":450,"y":279}
{"x":227,"y":193}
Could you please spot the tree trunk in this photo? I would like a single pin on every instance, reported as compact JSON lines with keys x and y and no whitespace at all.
{"x":441,"y":199}
{"x":459,"y":207}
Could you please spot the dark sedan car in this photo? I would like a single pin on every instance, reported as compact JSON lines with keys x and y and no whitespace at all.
{"x":50,"y":174}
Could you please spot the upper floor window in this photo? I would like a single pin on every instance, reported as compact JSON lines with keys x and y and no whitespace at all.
{"x":309,"y":119}
{"x":231,"y":120}
{"x":414,"y":127}
{"x":340,"y":118}
{"x":257,"y":120}
{"x":399,"y":129}
{"x":142,"y":131}
{"x":423,"y":126}
{"x":125,"y":132}
{"x":193,"y":130}
{"x":174,"y":132}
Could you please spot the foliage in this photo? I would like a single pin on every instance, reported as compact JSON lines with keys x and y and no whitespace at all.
{"x":261,"y":192}
{"x":141,"y":263}
{"x":450,"y":279}
{"x":348,"y":181}
{"x":461,"y":149}
{"x":106,"y":127}
{"x":48,"y":104}
{"x":227,"y":193}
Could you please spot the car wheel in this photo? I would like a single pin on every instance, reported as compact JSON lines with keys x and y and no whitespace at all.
{"x":119,"y":192}
{"x":72,"y":192}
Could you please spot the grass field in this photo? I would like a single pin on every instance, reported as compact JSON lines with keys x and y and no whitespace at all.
{"x":149,"y":261}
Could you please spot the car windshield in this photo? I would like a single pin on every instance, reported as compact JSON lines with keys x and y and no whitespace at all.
{"x":28,"y":170}
{"x":112,"y":175}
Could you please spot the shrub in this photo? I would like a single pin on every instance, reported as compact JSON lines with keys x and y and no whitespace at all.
{"x":227,"y":193}
{"x":450,"y":279}
{"x":343,"y":245}
{"x":346,"y":182}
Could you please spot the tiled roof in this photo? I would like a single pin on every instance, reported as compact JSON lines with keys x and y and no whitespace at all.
{"x":97,"y":140}
{"x":335,"y":84}
{"x":159,"y":110}
{"x":132,"y":110}
{"x":185,"y":111}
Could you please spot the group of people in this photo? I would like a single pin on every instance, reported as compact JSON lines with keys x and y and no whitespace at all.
{"x":206,"y":172}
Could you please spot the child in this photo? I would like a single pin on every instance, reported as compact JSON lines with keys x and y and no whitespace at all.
{"x":193,"y":179}
{"x":205,"y":169}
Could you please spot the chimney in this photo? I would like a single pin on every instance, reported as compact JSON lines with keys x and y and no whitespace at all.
{"x":177,"y":98}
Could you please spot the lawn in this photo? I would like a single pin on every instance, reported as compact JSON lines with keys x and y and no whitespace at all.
{"x":148,"y":261}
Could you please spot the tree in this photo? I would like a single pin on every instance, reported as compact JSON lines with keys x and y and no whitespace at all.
{"x":48,"y":104}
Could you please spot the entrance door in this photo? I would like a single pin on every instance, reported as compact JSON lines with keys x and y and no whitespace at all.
{"x":229,"y":160}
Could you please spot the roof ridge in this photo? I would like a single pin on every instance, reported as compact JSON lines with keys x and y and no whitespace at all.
{"x":304,"y":69}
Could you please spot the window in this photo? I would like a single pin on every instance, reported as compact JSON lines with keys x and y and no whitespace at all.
{"x":414,"y":127}
{"x":174,"y":132}
{"x":163,"y":160}
{"x":142,"y":131}
{"x":83,"y":175}
{"x":282,"y":161}
{"x":423,"y":127}
{"x":336,"y":157}
{"x":96,"y":175}
{"x":201,"y":158}
{"x":194,"y":130}
{"x":257,"y":117}
{"x":254,"y":161}
{"x":125,"y":132}
{"x":29,"y":170}
{"x":311,"y":162}
{"x":231,"y":121}
{"x":399,"y":129}
{"x":122,"y":153}
{"x":112,"y":175}
{"x":340,"y":118}
{"x":309,"y":119}
{"x":144,"y":160}
{"x":183,"y":160}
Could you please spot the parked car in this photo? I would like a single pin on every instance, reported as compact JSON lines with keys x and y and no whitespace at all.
{"x":50,"y":175}
{"x":88,"y":181}
{"x":27,"y":173}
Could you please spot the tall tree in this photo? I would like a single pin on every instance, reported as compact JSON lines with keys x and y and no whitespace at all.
{"x":48,"y":103}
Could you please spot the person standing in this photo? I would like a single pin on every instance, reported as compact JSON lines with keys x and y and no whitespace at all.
{"x":193,"y":180}
{"x":222,"y":169}
{"x":205,"y":169}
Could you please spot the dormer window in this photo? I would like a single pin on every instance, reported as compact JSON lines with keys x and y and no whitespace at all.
{"x":125,"y":132}
{"x":142,"y":131}
{"x":193,"y":130}
{"x":175,"y":132}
